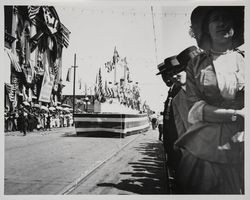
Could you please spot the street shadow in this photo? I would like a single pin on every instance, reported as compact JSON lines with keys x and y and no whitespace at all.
{"x":100,"y":134}
{"x":147,"y":175}
{"x":94,"y":134}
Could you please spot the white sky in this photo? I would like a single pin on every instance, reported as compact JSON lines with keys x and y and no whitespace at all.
{"x":96,"y":30}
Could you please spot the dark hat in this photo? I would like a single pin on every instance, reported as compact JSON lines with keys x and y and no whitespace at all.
{"x":169,"y":65}
{"x":187,"y":54}
{"x":199,"y":23}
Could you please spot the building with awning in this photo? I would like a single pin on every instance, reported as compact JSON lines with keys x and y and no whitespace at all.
{"x":34,"y":42}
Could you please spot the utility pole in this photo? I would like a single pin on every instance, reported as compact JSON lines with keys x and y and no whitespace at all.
{"x":74,"y":85}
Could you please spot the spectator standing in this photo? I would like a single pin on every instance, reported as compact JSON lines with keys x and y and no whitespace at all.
{"x":213,"y":146}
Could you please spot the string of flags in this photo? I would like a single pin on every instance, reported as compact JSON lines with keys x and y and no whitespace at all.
{"x":129,"y":12}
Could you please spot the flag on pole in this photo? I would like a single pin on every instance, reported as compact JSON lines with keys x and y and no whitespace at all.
{"x":115,"y":57}
{"x":96,"y":86}
{"x":107,"y":90}
{"x":86,"y":90}
{"x":100,"y":87}
{"x":100,"y":82}
{"x":109,"y":66}
{"x":80,"y":83}
{"x":68,"y":78}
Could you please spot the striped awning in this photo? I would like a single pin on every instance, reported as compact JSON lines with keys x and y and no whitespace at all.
{"x":14,"y":60}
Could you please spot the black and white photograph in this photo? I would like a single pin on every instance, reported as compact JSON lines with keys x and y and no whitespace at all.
{"x":124,"y":98}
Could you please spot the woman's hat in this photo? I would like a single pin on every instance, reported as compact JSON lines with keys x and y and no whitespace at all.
{"x":187,"y":54}
{"x":199,"y":22}
{"x":169,"y":65}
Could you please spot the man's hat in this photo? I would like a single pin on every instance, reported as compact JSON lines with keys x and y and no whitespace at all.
{"x":169,"y":65}
{"x":199,"y":23}
{"x":175,"y":64}
{"x":187,"y":54}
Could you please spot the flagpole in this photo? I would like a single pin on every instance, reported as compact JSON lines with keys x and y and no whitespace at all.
{"x":115,"y":73}
{"x":74,"y":85}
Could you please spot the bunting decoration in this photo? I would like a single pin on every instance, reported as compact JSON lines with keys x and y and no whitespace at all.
{"x":32,"y":12}
{"x":34,"y":62}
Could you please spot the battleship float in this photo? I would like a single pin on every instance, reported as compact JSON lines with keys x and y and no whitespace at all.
{"x":118,"y":109}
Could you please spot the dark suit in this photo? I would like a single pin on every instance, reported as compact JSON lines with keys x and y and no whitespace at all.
{"x":170,"y":134}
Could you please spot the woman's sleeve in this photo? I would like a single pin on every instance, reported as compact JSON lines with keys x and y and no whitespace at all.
{"x":194,"y":98}
{"x":240,"y":73}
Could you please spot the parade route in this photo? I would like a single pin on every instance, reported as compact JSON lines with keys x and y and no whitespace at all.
{"x":51,"y":162}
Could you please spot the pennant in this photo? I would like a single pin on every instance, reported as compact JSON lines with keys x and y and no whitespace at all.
{"x":68,"y":78}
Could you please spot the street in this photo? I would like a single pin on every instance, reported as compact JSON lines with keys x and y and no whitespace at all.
{"x":59,"y":162}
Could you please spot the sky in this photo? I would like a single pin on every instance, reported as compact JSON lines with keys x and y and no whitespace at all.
{"x":144,"y":39}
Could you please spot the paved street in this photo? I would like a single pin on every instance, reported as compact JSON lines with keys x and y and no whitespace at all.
{"x":50,"y":162}
{"x":138,"y":169}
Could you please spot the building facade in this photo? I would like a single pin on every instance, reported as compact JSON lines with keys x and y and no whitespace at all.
{"x":34,"y":42}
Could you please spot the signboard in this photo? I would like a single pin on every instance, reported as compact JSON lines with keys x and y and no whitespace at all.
{"x":46,"y":89}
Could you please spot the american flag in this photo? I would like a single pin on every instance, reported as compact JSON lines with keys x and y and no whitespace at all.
{"x":32,"y":12}
{"x":65,"y":35}
{"x":51,"y":21}
{"x":14,"y":61}
{"x":108,"y":92}
{"x":10,"y":89}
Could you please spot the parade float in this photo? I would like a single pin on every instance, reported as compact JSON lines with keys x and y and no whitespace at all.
{"x":117,"y":106}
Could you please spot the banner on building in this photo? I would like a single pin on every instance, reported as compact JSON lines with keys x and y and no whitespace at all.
{"x":46,"y":89}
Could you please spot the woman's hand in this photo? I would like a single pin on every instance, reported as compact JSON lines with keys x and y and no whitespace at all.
{"x":241,"y":112}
